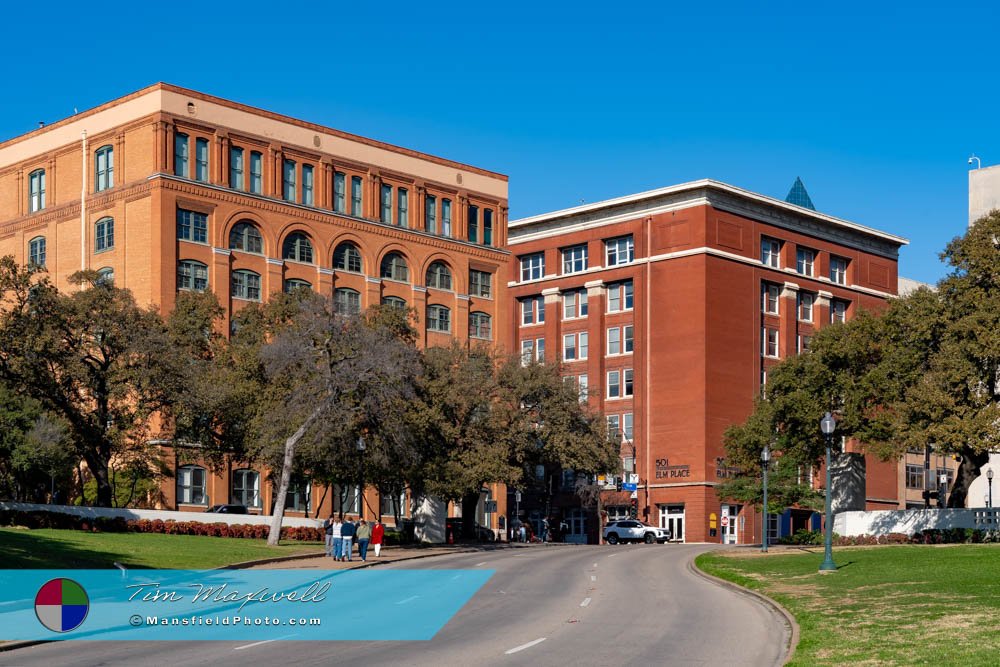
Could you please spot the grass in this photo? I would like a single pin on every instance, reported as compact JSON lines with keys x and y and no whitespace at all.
{"x":894,"y":605}
{"x":73,"y":549}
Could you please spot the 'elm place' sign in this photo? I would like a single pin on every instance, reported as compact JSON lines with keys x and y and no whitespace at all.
{"x":666,"y":471}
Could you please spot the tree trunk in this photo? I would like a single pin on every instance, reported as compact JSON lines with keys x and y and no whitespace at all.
{"x":968,"y":470}
{"x":99,"y":469}
{"x":286,"y":474}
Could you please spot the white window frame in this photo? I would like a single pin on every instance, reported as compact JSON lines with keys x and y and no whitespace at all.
{"x":838,"y":270}
{"x":614,"y":345}
{"x":619,"y":251}
{"x":628,"y":341}
{"x":769,"y":343}
{"x":805,"y":306}
{"x":838,"y":312}
{"x":618,"y":296}
{"x":771,"y":295}
{"x":628,"y":426}
{"x":569,"y":352}
{"x":574,"y":259}
{"x":581,"y":385}
{"x":628,"y":383}
{"x":615,"y":384}
{"x":527,"y":351}
{"x":532,"y":266}
{"x":805,"y":261}
{"x":770,"y":252}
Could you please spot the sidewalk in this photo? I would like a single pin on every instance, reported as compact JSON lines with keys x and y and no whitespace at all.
{"x":389,"y":555}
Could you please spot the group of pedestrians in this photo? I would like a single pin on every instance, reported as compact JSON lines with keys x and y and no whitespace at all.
{"x":341,"y":535}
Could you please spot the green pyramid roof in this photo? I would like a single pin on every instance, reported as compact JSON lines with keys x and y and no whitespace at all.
{"x":798,"y":195}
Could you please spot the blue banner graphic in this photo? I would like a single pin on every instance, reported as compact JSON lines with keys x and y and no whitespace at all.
{"x":232,"y":605}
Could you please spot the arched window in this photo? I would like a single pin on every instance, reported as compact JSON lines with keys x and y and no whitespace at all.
{"x":394,"y":267}
{"x":298,"y":248}
{"x":346,"y":301}
{"x":480,"y":325}
{"x":104,"y":168}
{"x":246,"y":285}
{"x":394,"y":302}
{"x":191,"y":486}
{"x":347,"y":257}
{"x":36,"y":252}
{"x":104,"y":234}
{"x":246,"y":237}
{"x":439,"y":276}
{"x":106,"y":276}
{"x":36,"y":190}
{"x":246,"y":488}
{"x":292,"y":284}
{"x":438,"y":318}
{"x":192,"y":275}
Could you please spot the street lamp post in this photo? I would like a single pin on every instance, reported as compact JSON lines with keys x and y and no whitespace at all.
{"x":765,"y":458}
{"x":827,"y":425}
{"x":361,"y":475}
{"x":989,"y":483}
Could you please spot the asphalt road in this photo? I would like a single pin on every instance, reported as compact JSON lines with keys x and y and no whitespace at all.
{"x":547,"y":605}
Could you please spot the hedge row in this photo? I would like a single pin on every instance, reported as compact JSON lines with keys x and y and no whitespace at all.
{"x":929,"y":536}
{"x":62,"y":521}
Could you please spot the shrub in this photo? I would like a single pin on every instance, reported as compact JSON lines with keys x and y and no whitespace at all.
{"x":803,"y":536}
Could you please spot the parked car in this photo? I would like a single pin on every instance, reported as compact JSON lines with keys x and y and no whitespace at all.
{"x":630,"y":530}
{"x":228,"y":509}
{"x":483,"y":534}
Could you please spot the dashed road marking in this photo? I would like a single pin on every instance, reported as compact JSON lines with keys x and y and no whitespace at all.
{"x":483,"y":563}
{"x":586,"y":601}
{"x":595,"y":564}
{"x":409,"y":599}
{"x":524,"y":646}
{"x":593,"y":577}
{"x":266,"y":641}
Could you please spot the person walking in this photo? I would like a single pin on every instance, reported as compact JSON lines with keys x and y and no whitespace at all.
{"x":347,"y":536}
{"x":338,"y":546}
{"x":328,"y":530}
{"x":378,"y":532}
{"x":364,"y":535}
{"x":523,"y":533}
{"x":545,"y":530}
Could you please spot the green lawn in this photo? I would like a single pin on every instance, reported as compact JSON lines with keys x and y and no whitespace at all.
{"x":74,"y":549}
{"x":898,"y":605}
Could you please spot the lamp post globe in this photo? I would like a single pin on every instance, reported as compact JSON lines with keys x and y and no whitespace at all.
{"x":765,"y":458}
{"x":827,"y":426}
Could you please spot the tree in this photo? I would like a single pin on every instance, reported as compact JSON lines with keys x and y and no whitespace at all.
{"x":93,"y":359}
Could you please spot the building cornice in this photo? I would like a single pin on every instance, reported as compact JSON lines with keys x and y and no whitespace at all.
{"x":720,"y":196}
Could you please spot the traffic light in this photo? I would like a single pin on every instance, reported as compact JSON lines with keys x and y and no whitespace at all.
{"x":634,"y":510}
{"x":618,"y":483}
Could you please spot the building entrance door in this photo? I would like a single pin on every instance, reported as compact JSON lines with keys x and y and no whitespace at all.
{"x":672,"y":518}
{"x":730,"y":515}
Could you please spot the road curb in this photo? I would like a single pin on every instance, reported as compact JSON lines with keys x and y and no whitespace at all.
{"x":793,"y":626}
{"x":10,"y":646}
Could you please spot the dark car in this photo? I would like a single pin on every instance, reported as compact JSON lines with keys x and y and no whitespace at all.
{"x":228,"y":509}
{"x":482,"y":533}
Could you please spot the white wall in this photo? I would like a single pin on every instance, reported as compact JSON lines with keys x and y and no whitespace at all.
{"x":979,"y":488}
{"x":163,"y":515}
{"x":883,"y":522}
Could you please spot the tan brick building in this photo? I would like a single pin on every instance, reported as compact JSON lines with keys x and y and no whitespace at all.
{"x":669,"y":307}
{"x":169,"y":189}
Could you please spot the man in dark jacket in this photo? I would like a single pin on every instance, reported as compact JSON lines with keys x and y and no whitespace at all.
{"x":347,"y":535}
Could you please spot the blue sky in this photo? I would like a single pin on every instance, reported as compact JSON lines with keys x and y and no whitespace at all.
{"x":877,"y":109}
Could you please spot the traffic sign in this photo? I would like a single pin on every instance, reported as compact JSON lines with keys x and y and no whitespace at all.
{"x":629,"y":487}
{"x":724,"y":520}
{"x":633,"y":478}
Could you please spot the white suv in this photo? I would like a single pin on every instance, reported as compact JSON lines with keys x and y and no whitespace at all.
{"x":630,"y":530}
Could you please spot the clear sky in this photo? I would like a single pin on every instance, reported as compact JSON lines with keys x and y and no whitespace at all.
{"x":876,"y":108}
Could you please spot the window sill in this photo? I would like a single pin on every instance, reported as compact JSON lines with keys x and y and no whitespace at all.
{"x":246,"y":298}
{"x":204,"y":243}
{"x":104,"y":250}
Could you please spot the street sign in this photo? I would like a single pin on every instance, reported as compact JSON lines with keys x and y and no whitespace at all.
{"x":517,"y":496}
{"x":629,"y":487}
{"x":633,"y":478}
{"x":724,"y":520}
{"x":635,"y":494}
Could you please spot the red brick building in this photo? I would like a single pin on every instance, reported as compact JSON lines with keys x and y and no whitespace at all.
{"x":669,"y":307}
{"x":169,"y":189}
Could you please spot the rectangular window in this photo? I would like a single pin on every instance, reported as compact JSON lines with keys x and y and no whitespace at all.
{"x":574,"y":259}
{"x":307,"y":184}
{"x":803,"y":344}
{"x":356,"y":189}
{"x":619,"y":251}
{"x":36,"y":190}
{"x":236,"y":168}
{"x":402,"y":207}
{"x":627,"y":425}
{"x":181,"y":155}
{"x":614,"y":384}
{"x":532,"y":310}
{"x":569,"y":305}
{"x":201,"y":160}
{"x":838,"y":270}
{"x":527,"y":351}
{"x":569,"y":347}
{"x":540,"y":350}
{"x":288,"y":181}
{"x":584,"y":338}
{"x":487,"y":226}
{"x":533,"y":267}
{"x":104,"y":238}
{"x":804,"y":258}
{"x":620,"y":297}
{"x":385,"y":210}
{"x":838,"y":312}
{"x":104,"y":168}
{"x":628,"y":382}
{"x":615,"y":426}
{"x":473,"y":223}
{"x":770,"y":252}
{"x":770,"y":342}
{"x":430,"y":214}
{"x":339,"y":192}
{"x":480,"y":283}
{"x":614,"y":340}
{"x":914,"y":477}
{"x":805,"y":307}
{"x":581,"y":385}
{"x":769,"y":298}
{"x":627,"y":339}
{"x":192,"y":226}
{"x":36,"y":252}
{"x":446,"y":217}
{"x":256,"y":173}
